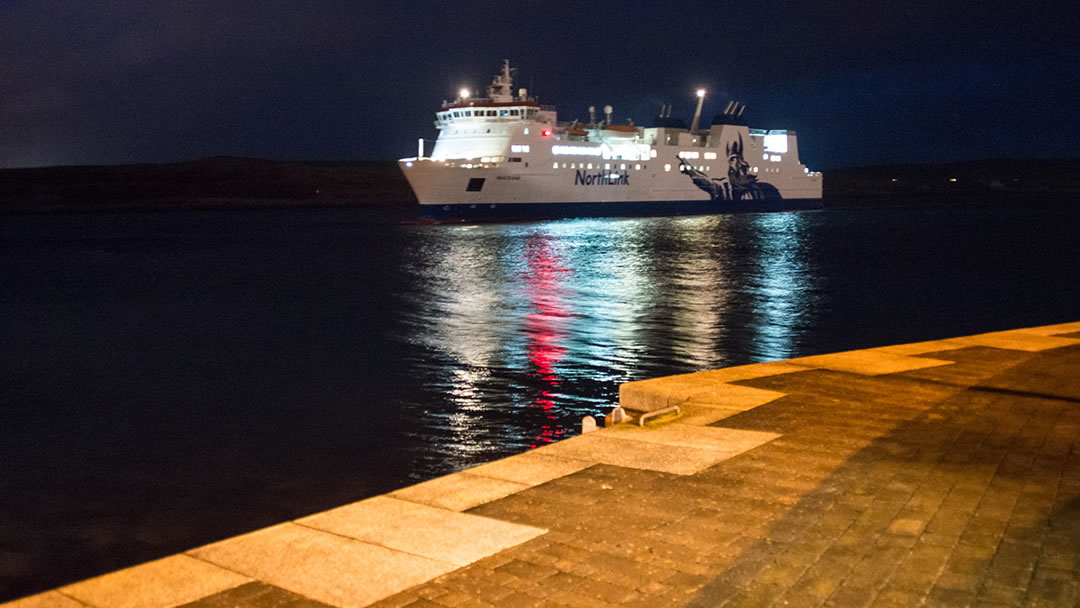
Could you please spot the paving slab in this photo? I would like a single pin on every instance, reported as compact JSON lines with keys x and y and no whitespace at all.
{"x":1017,"y":340}
{"x":869,"y":362}
{"x":725,"y":440}
{"x":327,"y":567}
{"x":439,"y":534}
{"x":703,"y":388}
{"x":49,"y":599}
{"x":530,"y":468}
{"x":459,"y":491}
{"x":669,"y":454}
{"x":171,"y":581}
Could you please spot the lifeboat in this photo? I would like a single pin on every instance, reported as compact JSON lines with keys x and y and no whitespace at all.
{"x":620,"y":132}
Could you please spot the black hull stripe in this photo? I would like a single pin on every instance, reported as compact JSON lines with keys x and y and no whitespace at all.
{"x":493,"y":211}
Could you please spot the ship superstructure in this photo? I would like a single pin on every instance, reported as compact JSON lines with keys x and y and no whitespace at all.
{"x":506,"y":156}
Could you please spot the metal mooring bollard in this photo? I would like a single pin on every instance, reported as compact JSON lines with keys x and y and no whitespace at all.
{"x":617,"y":415}
{"x":588,"y":424}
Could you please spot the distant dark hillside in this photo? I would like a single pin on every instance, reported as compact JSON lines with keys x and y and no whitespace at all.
{"x":223,"y":182}
{"x":974,"y":177}
{"x":212,"y":182}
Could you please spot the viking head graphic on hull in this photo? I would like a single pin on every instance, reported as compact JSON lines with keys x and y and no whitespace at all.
{"x":740,"y":184}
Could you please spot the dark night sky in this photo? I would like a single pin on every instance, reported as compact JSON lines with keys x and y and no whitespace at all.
{"x":99,"y":81}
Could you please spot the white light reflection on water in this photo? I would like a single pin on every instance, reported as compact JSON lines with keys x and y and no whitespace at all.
{"x":782,"y":285}
{"x":700,"y":279}
{"x":532,"y":326}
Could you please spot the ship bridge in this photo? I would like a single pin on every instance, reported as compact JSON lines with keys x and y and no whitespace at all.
{"x":483,"y":127}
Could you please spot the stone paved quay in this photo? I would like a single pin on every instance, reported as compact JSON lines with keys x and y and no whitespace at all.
{"x":942,"y":473}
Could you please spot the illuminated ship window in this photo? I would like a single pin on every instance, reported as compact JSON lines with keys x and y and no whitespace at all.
{"x":652,"y":153}
{"x":637,"y":167}
{"x":564,"y":165}
{"x":774,"y":158}
{"x":526,"y":131}
{"x":710,"y":156}
{"x":764,"y":157}
{"x":589,"y":166}
{"x":667,"y":166}
{"x":519,"y":148}
{"x":573,"y":165}
{"x":504,"y":113}
{"x":576,"y":150}
{"x":554,"y":165}
{"x":776,"y":142}
{"x":622,"y":166}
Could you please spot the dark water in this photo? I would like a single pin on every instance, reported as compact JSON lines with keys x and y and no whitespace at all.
{"x":170,"y":379}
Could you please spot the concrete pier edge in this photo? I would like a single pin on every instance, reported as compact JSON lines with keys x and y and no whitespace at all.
{"x":420,"y":545}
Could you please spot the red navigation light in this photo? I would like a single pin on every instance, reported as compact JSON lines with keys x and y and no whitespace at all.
{"x":546,"y":132}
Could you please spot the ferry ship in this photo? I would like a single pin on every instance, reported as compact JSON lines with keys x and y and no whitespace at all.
{"x":506,"y":156}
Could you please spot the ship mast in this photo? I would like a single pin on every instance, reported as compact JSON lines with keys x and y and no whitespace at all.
{"x":501,"y":89}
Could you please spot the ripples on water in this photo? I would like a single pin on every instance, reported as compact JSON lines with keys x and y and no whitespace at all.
{"x":170,"y":379}
{"x":526,"y":328}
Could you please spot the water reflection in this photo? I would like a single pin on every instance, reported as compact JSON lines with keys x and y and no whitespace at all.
{"x":525,"y":328}
{"x":781,"y":287}
{"x":700,"y":279}
{"x":545,"y":326}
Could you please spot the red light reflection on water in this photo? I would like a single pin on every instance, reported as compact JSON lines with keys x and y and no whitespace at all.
{"x":545,"y":326}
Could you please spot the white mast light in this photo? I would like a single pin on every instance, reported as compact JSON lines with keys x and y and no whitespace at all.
{"x":464,"y":93}
{"x":697,"y":112}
